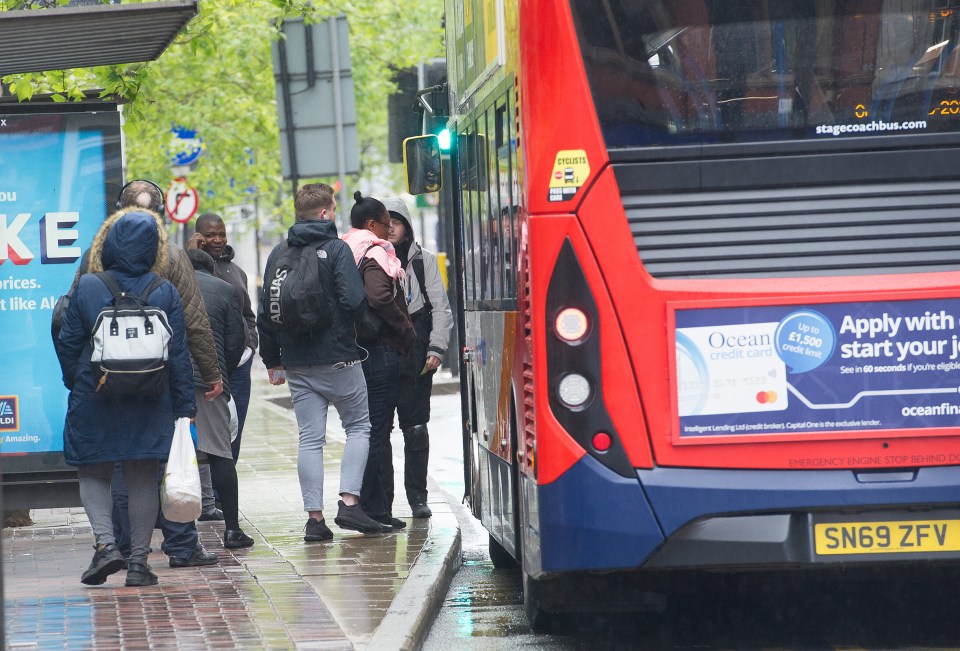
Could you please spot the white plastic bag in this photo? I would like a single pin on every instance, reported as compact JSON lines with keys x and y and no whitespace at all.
{"x":234,"y":421}
{"x":180,"y":492}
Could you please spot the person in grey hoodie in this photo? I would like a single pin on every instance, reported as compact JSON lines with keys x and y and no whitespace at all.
{"x":432,"y":320}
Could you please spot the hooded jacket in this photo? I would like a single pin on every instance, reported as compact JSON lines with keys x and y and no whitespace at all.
{"x":374,"y":257}
{"x":226,"y":269}
{"x":178,"y":270}
{"x":343,"y":288}
{"x":98,"y":428}
{"x":223,"y":304}
{"x":441,"y":318}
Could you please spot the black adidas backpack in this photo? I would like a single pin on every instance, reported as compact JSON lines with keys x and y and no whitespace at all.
{"x":294,"y":297}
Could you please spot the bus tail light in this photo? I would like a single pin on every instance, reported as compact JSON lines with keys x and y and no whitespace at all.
{"x":601,"y":441}
{"x":576,"y":391}
{"x":571,"y":325}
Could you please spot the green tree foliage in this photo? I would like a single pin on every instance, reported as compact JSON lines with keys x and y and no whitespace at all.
{"x":217,"y":79}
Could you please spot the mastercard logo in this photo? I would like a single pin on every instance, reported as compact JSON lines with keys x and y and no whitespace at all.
{"x":766,"y":397}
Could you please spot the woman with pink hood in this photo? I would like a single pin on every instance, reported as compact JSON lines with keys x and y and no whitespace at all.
{"x":386,"y":332}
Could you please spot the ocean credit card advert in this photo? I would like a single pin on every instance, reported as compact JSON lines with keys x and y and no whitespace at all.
{"x":818,"y":368}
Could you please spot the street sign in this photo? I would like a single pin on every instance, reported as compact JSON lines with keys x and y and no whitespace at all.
{"x":185,"y":146}
{"x":316,"y":106}
{"x":182,"y":201}
{"x":240,"y":213}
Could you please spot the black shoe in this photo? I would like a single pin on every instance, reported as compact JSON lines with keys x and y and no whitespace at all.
{"x":107,"y":560}
{"x":421,"y":510}
{"x":140,"y":574}
{"x":315,"y":531}
{"x":216,"y":515}
{"x":235,"y":539}
{"x":353,"y":517}
{"x":393,"y":523}
{"x":198,"y":558}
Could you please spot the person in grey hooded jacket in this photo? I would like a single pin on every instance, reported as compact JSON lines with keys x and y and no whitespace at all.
{"x":432,"y":319}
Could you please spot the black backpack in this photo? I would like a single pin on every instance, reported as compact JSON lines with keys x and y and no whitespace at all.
{"x":293,"y":293}
{"x":131,"y":343}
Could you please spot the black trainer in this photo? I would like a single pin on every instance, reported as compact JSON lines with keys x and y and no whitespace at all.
{"x":393,"y":523}
{"x":421,"y":510}
{"x":316,"y":530}
{"x":353,"y":518}
{"x":216,"y":515}
{"x":107,"y":560}
{"x":140,"y":574}
{"x":235,"y":539}
{"x":198,"y":558}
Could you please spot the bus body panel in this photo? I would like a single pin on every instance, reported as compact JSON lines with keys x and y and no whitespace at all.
{"x":553,"y":122}
{"x":593,"y":519}
{"x":617,"y":379}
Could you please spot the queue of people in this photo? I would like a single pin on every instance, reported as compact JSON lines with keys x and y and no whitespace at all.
{"x":377,"y":324}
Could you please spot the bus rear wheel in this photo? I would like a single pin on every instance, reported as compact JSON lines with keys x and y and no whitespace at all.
{"x":499,"y":556}
{"x":541,"y":621}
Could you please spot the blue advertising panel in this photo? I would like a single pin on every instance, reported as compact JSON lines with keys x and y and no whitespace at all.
{"x":798,"y":369}
{"x":58,"y":177}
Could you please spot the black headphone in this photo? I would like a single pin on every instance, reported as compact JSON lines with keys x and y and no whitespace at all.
{"x":159,"y":209}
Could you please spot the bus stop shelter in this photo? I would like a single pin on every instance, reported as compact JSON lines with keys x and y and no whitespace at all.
{"x":88,"y":36}
{"x":60,"y":39}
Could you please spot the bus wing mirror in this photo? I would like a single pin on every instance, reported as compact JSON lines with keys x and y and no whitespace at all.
{"x":421,"y":162}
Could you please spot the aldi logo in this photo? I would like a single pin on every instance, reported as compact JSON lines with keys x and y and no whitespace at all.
{"x":9,"y":414}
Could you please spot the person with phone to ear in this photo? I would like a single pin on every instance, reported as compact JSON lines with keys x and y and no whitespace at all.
{"x":211,"y":236}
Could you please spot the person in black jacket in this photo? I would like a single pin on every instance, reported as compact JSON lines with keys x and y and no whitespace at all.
{"x":323,"y":367}
{"x":223,"y":303}
{"x":211,"y":236}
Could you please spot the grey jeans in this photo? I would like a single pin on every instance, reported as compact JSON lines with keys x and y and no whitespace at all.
{"x":313,"y":389}
{"x":140,"y":477}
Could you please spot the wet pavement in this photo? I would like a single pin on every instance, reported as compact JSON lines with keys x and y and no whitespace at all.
{"x":356,"y":591}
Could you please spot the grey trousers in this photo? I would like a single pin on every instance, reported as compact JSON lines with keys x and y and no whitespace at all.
{"x":144,"y":499}
{"x":313,"y":389}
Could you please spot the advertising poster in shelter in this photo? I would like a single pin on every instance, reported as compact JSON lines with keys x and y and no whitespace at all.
{"x":59,"y":175}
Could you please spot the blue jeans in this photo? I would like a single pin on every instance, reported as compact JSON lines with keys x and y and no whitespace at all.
{"x":239,"y":382}
{"x":382,"y":371}
{"x":313,"y":389}
{"x":180,"y":539}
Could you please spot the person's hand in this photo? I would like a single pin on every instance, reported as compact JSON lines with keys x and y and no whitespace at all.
{"x":277,"y":375}
{"x":196,"y":241}
{"x":215,"y":390}
{"x":433,"y":363}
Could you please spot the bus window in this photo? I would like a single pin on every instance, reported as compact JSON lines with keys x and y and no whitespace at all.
{"x":716,"y":71}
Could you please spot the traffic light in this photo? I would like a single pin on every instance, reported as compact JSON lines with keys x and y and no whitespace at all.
{"x":403,"y":113}
{"x":433,"y":75}
{"x":443,"y":137}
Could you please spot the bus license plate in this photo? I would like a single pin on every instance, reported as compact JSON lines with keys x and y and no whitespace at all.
{"x":893,"y":537}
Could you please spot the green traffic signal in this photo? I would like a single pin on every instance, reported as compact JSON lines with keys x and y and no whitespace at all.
{"x":443,"y":137}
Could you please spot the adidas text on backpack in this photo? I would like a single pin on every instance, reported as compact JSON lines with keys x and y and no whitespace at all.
{"x":294,"y":295}
{"x":131,"y":344}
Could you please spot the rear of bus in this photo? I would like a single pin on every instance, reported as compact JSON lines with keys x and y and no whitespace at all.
{"x":742,"y":239}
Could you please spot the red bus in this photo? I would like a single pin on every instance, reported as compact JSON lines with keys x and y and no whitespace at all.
{"x":710,"y":276}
